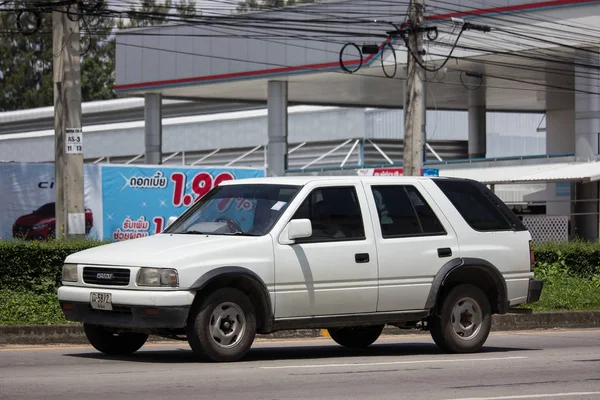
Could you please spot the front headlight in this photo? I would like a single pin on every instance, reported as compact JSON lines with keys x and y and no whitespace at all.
{"x":166,"y":277}
{"x":69,"y":273}
{"x":38,"y":226}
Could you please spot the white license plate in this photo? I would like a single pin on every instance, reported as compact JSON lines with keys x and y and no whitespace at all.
{"x":101,"y":301}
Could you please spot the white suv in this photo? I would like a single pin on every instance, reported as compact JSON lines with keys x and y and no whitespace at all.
{"x":347,"y":254}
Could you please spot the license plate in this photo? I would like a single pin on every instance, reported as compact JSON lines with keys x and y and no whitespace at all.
{"x":101,"y":301}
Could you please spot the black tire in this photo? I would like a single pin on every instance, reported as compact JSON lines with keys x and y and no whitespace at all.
{"x":356,"y":337}
{"x":449,"y":333}
{"x":111,"y":343}
{"x":211,"y":331}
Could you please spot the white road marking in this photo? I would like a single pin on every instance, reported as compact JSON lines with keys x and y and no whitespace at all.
{"x":531,"y":396}
{"x":454,"y":360}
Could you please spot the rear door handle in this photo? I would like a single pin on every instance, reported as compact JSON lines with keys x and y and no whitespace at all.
{"x":444,"y":252}
{"x":361,"y":257}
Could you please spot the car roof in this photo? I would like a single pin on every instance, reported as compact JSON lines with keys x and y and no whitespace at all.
{"x":304,"y":180}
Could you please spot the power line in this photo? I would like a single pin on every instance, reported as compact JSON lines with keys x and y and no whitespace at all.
{"x":279,"y":29}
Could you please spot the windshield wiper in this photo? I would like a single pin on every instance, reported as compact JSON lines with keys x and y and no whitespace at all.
{"x":234,"y":234}
{"x":215,"y":233}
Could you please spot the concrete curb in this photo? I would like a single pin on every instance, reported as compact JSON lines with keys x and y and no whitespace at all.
{"x":73,"y":334}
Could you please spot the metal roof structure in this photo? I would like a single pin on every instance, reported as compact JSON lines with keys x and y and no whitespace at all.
{"x":229,"y":59}
{"x":343,"y":136}
{"x":112,"y":111}
{"x":538,"y":173}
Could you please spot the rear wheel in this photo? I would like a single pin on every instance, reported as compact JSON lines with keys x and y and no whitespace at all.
{"x":112,"y":343}
{"x":464,"y":320}
{"x":223,"y":326}
{"x":356,"y":337}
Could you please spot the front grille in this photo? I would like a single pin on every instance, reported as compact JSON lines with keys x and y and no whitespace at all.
{"x":21,"y":230}
{"x":106,"y":276}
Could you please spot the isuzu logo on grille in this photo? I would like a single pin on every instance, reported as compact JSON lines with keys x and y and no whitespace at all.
{"x":104,"y":275}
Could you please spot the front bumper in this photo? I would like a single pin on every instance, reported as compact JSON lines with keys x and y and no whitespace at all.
{"x":535,"y":290}
{"x":140,"y":310}
{"x":30,"y":234}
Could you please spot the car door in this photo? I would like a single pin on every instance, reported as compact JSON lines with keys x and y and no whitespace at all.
{"x":414,"y":241}
{"x":335,"y":270}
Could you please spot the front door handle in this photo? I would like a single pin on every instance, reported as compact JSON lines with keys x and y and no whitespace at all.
{"x":444,"y":252}
{"x":361,"y":257}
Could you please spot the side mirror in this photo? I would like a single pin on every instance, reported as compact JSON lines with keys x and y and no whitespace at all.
{"x":171,"y":220}
{"x":299,"y":229}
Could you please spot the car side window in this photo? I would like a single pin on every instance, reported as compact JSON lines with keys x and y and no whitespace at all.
{"x":479,"y":212}
{"x":403,"y":211}
{"x":334,"y":213}
{"x":429,"y":221}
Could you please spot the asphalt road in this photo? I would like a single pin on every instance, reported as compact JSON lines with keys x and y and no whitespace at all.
{"x":524,"y":365}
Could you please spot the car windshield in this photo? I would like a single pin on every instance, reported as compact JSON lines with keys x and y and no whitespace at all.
{"x":250,"y":210}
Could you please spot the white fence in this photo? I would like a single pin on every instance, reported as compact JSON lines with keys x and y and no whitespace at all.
{"x":547,"y":228}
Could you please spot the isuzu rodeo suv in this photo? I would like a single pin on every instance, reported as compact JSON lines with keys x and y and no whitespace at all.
{"x":346,"y":254}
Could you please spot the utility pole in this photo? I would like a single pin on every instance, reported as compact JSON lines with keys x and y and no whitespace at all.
{"x":68,"y":143}
{"x":413,"y":112}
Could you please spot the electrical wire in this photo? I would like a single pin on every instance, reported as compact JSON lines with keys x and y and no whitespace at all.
{"x":360,"y":63}
{"x":508,"y":65}
{"x":420,"y":63}
{"x":264,"y":23}
{"x":477,"y":75}
{"x":435,"y":108}
{"x":27,"y":31}
{"x":391,"y":76}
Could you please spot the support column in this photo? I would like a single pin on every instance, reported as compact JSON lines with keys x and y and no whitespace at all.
{"x":560,"y":113}
{"x":277,"y":103}
{"x":587,"y":108}
{"x":560,"y":138}
{"x":477,"y":123}
{"x":587,"y":130}
{"x":153,"y":128}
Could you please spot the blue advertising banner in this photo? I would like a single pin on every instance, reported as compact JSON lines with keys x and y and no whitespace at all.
{"x":138,"y":200}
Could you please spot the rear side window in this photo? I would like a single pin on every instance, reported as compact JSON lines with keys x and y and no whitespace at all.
{"x":482,"y":210}
{"x":403,"y":211}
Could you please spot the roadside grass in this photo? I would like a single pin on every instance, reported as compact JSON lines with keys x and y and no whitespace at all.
{"x":29,"y":308}
{"x":565,"y":289}
{"x":568,"y":294}
{"x":559,"y":294}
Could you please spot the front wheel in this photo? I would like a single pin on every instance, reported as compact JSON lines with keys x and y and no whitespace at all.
{"x":111,"y":343}
{"x":464,"y":320}
{"x":356,"y":337}
{"x":223,"y":326}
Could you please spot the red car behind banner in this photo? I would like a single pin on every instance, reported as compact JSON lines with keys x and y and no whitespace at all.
{"x":41,"y":223}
